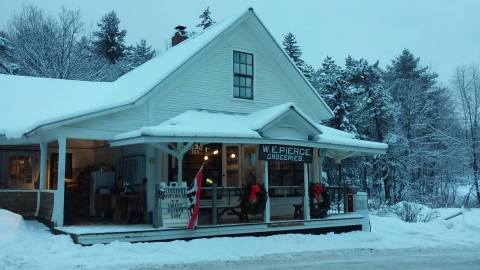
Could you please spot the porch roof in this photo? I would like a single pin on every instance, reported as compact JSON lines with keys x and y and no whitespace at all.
{"x":209,"y":126}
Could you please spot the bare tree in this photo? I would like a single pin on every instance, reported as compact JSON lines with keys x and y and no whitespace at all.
{"x":45,"y":46}
{"x":467,"y":85}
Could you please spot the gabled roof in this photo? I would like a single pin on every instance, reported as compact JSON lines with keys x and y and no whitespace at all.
{"x":200,"y":125}
{"x":32,"y":103}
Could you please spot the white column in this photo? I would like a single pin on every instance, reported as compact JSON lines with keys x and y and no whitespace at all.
{"x":43,"y":165}
{"x":60,"y":193}
{"x":320,"y":166}
{"x":180,"y":168}
{"x":152,"y":175}
{"x":43,"y":172}
{"x":265,"y":184}
{"x":306,"y":203}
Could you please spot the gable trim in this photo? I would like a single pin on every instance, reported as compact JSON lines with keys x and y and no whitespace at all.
{"x":306,"y":122}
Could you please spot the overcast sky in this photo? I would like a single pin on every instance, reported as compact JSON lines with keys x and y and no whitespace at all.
{"x":443,"y":33}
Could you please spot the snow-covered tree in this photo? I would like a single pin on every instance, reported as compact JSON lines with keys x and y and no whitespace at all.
{"x":334,"y":88}
{"x":137,"y":55}
{"x":109,"y":39}
{"x":418,"y":138}
{"x":7,"y":66}
{"x":467,"y":85}
{"x":372,"y":113}
{"x":206,"y":19}
{"x":46,"y":46}
{"x":293,"y":50}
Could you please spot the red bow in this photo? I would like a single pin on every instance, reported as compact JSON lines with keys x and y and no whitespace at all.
{"x":253,"y":192}
{"x":317,"y":191}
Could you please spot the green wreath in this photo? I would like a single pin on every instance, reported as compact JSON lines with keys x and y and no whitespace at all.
{"x":318,"y":208}
{"x":257,"y":205}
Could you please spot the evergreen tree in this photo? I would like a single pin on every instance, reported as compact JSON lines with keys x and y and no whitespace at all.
{"x":206,"y":19}
{"x":373,"y":113}
{"x":137,"y":55}
{"x":334,"y":88}
{"x":109,"y":39}
{"x":413,"y":90}
{"x":293,"y":50}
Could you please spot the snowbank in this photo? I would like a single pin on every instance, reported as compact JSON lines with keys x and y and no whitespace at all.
{"x":12,"y":227}
{"x":38,"y":249}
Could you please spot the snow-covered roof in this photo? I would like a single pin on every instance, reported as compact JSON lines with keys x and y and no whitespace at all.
{"x":208,"y":124}
{"x":27,"y":103}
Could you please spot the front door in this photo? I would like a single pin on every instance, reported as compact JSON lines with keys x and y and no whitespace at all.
{"x":240,"y":165}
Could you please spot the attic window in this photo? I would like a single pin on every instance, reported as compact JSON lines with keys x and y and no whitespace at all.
{"x":242,"y":75}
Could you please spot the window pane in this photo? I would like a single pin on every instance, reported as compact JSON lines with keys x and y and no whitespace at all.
{"x":249,"y":93}
{"x":236,"y":80}
{"x":236,"y":57}
{"x":236,"y":68}
{"x":243,"y":69}
{"x":249,"y":59}
{"x":236,"y":91}
{"x":248,"y":82}
{"x":243,"y":81}
{"x":249,"y":70}
{"x":242,"y":92}
{"x":243,"y":58}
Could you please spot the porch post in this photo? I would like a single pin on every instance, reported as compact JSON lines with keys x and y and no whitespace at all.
{"x":60,"y":193}
{"x":265,"y":184}
{"x":43,"y":172}
{"x":306,"y":201}
{"x":43,"y":165}
{"x":320,"y":166}
{"x":180,"y":168}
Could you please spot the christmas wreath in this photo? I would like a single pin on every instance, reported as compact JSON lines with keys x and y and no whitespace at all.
{"x":253,"y":200}
{"x":319,"y":200}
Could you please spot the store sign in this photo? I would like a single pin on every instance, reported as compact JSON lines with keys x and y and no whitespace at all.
{"x":174,"y":205}
{"x":285,"y":153}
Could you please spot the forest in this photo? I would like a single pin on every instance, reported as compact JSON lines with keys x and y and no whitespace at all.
{"x":432,"y":129}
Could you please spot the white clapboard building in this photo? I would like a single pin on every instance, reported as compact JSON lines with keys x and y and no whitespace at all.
{"x":93,"y":158}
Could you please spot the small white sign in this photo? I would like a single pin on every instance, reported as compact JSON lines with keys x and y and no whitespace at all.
{"x":174,"y":205}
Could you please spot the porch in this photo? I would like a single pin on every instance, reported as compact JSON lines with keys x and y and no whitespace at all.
{"x":278,"y":151}
{"x":95,"y":234}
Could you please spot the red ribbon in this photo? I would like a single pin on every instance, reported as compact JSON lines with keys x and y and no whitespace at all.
{"x":317,"y":191}
{"x":253,"y":192}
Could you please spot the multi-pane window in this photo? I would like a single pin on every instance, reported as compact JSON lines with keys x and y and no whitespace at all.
{"x":242,"y":75}
{"x":21,"y":168}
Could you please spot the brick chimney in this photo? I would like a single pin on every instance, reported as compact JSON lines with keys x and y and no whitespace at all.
{"x":180,"y":35}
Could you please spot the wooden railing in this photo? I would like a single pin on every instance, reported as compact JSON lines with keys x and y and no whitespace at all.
{"x":230,"y":196}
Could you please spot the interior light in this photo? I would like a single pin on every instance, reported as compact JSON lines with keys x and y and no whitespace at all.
{"x":215,"y":152}
{"x":209,"y":181}
{"x":205,"y":158}
{"x":233,"y":155}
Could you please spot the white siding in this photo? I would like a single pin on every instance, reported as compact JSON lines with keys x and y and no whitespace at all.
{"x":209,"y":83}
{"x":120,"y":121}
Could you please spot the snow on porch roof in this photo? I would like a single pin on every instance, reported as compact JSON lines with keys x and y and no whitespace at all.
{"x":27,"y":103}
{"x":207,"y":124}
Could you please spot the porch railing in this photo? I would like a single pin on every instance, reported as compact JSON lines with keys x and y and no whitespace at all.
{"x":341,"y":198}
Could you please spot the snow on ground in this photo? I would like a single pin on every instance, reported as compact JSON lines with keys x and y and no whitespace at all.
{"x":29,"y":245}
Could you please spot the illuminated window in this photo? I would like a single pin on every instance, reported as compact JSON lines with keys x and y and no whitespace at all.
{"x":21,"y":168}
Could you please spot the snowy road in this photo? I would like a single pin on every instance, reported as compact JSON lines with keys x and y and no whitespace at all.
{"x":405,"y":259}
{"x":392,"y":244}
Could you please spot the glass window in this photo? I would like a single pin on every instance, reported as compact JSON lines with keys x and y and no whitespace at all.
{"x":242,"y":75}
{"x":21,"y":168}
